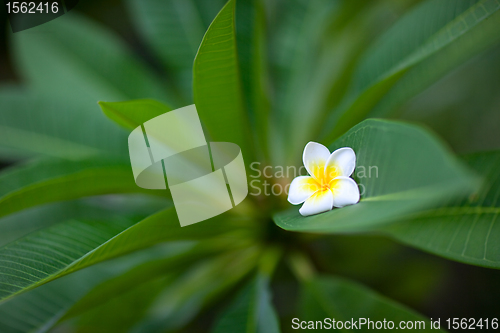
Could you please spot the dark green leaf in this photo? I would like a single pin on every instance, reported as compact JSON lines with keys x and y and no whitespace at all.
{"x":173,"y":263}
{"x":251,"y":311}
{"x":343,"y":300}
{"x":196,"y":289}
{"x":463,"y":112}
{"x":121,"y":313}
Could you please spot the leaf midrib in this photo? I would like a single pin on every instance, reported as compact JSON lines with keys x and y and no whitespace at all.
{"x":68,"y":269}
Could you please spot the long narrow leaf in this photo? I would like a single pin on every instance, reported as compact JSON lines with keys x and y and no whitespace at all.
{"x":217,"y":85}
{"x":444,"y":34}
{"x":196,"y":289}
{"x":346,"y":301}
{"x":251,"y":311}
{"x":252,"y":51}
{"x":20,"y":224}
{"x":74,"y":57}
{"x":68,"y":247}
{"x":40,"y":309}
{"x":174,"y":30}
{"x":37,"y":124}
{"x":49,"y":181}
{"x":465,"y":230}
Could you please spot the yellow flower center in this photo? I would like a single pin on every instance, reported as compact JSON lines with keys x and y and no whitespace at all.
{"x":323,"y":178}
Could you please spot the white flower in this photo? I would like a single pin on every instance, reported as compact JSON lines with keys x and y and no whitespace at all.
{"x":329,"y":184}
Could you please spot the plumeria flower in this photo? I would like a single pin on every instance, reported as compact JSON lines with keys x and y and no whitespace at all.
{"x":329,"y":185}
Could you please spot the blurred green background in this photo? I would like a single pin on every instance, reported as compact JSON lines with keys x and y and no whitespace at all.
{"x":463,"y":108}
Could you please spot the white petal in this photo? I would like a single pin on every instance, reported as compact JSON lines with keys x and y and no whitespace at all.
{"x":314,"y":158}
{"x":340,"y":163}
{"x":319,"y":202}
{"x":345,"y":191}
{"x":302,"y":188}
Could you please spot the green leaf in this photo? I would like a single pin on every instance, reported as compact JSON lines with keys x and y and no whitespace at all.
{"x":251,"y":311}
{"x":182,"y":256}
{"x":174,"y":30}
{"x":26,"y":221}
{"x":196,"y":289}
{"x":314,"y":52}
{"x":136,"y":206}
{"x":401,"y":169}
{"x":301,"y":81}
{"x":132,"y":114}
{"x":399,"y":66}
{"x":121,"y":313}
{"x":68,"y":247}
{"x":74,"y":57}
{"x":464,"y":230}
{"x":343,"y":300}
{"x":112,"y":305}
{"x":47,"y":181}
{"x":217,"y":86}
{"x":252,"y":52}
{"x":461,"y":111}
{"x":40,"y":309}
{"x":36,"y":124}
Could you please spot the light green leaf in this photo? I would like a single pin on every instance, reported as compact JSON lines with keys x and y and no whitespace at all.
{"x":464,"y":230}
{"x":74,"y":57}
{"x":68,"y":247}
{"x":42,"y":182}
{"x":343,"y":300}
{"x":174,"y":30}
{"x":132,"y":114}
{"x":444,"y":33}
{"x":401,"y":169}
{"x":36,"y":124}
{"x":251,"y":311}
{"x":217,"y":86}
